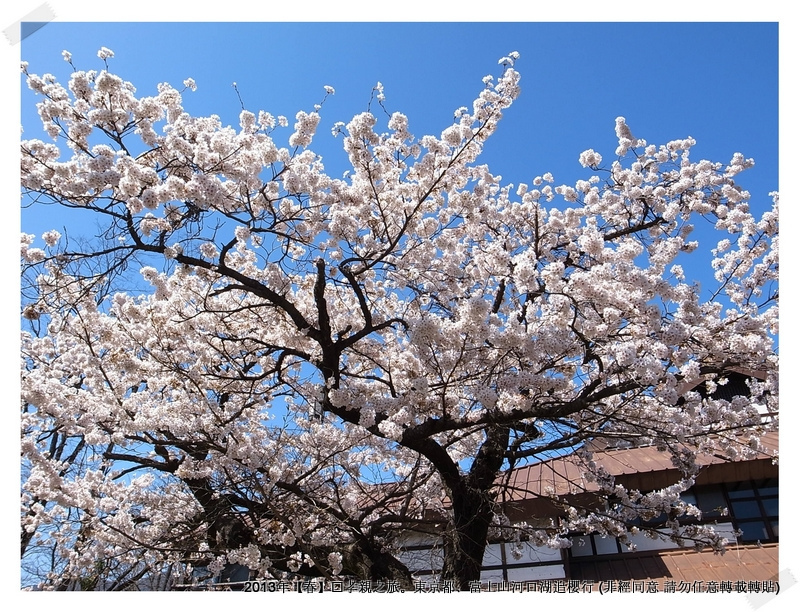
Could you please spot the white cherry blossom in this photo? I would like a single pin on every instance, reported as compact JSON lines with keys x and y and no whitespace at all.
{"x":307,"y":368}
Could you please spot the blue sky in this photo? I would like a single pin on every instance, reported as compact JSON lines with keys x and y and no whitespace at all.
{"x":716,"y":82}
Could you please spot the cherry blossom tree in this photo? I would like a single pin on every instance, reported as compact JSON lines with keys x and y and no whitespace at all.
{"x":310,"y":368}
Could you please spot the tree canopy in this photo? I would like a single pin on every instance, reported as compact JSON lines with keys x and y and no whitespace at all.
{"x":311,"y":368}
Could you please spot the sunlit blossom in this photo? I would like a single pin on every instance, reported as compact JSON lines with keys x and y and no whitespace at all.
{"x":309,"y":360}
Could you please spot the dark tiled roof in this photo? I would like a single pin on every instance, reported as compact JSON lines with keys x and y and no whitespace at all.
{"x":567,"y":475}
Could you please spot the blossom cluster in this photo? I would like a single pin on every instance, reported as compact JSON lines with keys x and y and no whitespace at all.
{"x":314,"y":361}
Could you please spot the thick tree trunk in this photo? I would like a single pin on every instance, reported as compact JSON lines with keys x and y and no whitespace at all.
{"x":472,"y":497}
{"x":368,"y":563}
{"x":465,"y":541}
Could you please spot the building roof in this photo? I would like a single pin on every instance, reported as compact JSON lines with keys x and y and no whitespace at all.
{"x":644,"y":468}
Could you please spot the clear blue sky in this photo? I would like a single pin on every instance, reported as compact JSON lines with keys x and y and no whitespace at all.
{"x":716,"y":82}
